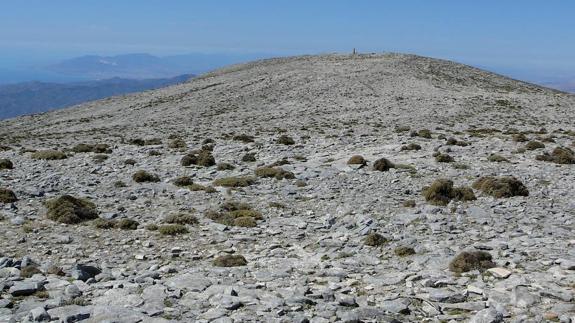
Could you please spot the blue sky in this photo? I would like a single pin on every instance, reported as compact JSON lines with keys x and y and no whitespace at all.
{"x":525,"y":36}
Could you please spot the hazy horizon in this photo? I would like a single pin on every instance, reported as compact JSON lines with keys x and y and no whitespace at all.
{"x":530,"y":40}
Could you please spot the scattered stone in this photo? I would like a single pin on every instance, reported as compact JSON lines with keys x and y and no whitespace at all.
{"x":24,"y":288}
{"x":499,"y":272}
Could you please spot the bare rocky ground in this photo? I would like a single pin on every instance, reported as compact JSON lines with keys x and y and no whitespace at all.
{"x":309,"y":241}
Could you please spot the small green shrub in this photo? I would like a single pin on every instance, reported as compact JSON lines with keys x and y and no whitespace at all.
{"x":274,"y":172}
{"x":400,"y":129}
{"x":235,"y":181}
{"x":374,"y":240}
{"x":463,"y":193}
{"x":454,"y":142}
{"x":181,"y":218}
{"x":285,"y":140}
{"x":127,"y":224}
{"x":154,"y":153}
{"x":473,"y":260}
{"x":230,"y":261}
{"x":82,"y":148}
{"x":403,"y":251}
{"x":249,"y":158}
{"x":501,"y":187}
{"x":495,"y":158}
{"x":145,"y":142}
{"x":357,"y":160}
{"x":99,"y":158}
{"x":151,"y":227}
{"x":244,"y":138}
{"x":562,"y":155}
{"x":97,"y":148}
{"x":246,"y":213}
{"x":234,"y":206}
{"x":441,"y":192}
{"x":277,"y":205}
{"x":520,"y":137}
{"x":201,"y":158}
{"x":7,"y":196}
{"x":444,"y":158}
{"x":383,"y":165}
{"x":119,"y":184}
{"x":49,"y":155}
{"x":6,"y":164}
{"x":231,"y":211}
{"x":142,"y":176}
{"x":104,"y":224}
{"x":424,"y":133}
{"x":559,"y":155}
{"x":532,"y":145}
{"x":245,"y":221}
{"x":409,"y":203}
{"x":197,"y":187}
{"x":183,"y":181}
{"x":460,"y":166}
{"x":411,"y":146}
{"x":70,"y":210}
{"x":172,"y":229}
{"x":225,"y":166}
{"x":177,"y":143}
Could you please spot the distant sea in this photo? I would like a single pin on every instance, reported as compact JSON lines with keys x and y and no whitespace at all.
{"x":8,"y":76}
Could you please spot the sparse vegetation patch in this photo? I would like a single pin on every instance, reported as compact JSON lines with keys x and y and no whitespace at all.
{"x":441,"y":192}
{"x":374,"y":239}
{"x":383,"y":165}
{"x":240,"y":181}
{"x":172,"y":229}
{"x":285,"y":140}
{"x":49,"y":155}
{"x":6,"y":164}
{"x":70,"y":210}
{"x":274,"y":172}
{"x":471,"y":260}
{"x":230,"y":261}
{"x":357,"y":160}
{"x":7,"y":196}
{"x":501,"y":187}
{"x":559,"y":155}
{"x":142,"y":176}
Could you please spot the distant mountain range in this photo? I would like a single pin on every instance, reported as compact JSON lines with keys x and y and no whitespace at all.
{"x":35,"y":97}
{"x":26,"y":90}
{"x":144,"y":66}
{"x":567,"y":86}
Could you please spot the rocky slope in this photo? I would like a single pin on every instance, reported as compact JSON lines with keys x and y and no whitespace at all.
{"x":312,"y":238}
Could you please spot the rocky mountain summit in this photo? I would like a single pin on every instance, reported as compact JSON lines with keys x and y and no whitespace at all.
{"x":333,"y":188}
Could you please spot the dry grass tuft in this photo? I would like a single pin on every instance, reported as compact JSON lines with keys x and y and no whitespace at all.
{"x":501,"y":187}
{"x":142,"y":176}
{"x":383,"y":165}
{"x":230,"y":261}
{"x":374,"y":240}
{"x":6,"y":164}
{"x":274,"y":172}
{"x":471,"y":260}
{"x":70,"y":210}
{"x":49,"y":155}
{"x":235,"y":181}
{"x":441,"y":192}
{"x":172,"y":229}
